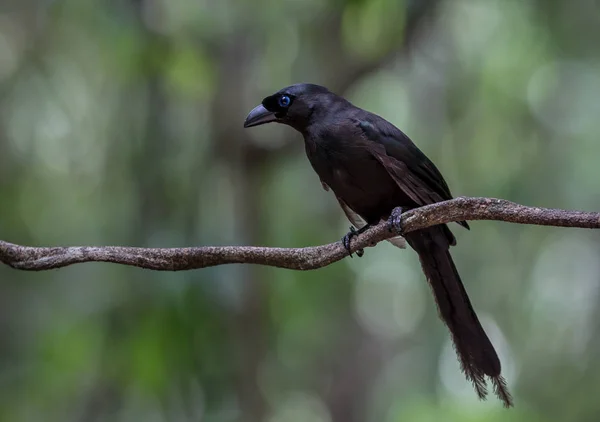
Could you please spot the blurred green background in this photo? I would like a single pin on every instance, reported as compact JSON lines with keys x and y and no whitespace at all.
{"x":121,"y":123}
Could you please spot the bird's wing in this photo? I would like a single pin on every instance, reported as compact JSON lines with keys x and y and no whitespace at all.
{"x":412,"y":171}
{"x":357,"y":221}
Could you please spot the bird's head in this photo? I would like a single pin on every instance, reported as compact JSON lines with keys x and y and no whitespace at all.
{"x":294,"y":106}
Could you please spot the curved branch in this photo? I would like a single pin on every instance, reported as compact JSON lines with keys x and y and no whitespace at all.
{"x":178,"y":259}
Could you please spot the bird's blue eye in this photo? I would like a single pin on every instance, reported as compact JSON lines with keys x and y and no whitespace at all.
{"x":284,"y":101}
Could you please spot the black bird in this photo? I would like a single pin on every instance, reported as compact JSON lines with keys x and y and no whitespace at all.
{"x":376,"y":171}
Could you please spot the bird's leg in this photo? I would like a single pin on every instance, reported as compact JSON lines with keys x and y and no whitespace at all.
{"x":395,"y":221}
{"x":353,"y":232}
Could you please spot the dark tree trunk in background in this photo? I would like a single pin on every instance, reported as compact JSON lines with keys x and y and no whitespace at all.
{"x":244,"y":162}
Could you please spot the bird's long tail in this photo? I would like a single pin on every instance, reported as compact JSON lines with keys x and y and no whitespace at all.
{"x":473,"y":347}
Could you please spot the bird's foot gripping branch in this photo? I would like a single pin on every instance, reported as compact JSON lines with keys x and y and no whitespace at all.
{"x":395,"y":221}
{"x":348,"y":237}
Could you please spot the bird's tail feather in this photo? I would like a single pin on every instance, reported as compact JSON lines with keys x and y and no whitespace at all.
{"x":473,"y":347}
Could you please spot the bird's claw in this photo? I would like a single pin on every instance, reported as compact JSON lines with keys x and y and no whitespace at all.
{"x":346,"y":242}
{"x":395,"y":221}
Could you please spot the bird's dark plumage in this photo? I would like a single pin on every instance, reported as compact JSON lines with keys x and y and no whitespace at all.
{"x":373,"y":167}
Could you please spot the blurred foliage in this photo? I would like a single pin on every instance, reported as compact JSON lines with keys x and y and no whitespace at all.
{"x":121,"y":123}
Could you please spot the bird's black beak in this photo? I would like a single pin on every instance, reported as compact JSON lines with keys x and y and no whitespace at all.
{"x":259,"y":116}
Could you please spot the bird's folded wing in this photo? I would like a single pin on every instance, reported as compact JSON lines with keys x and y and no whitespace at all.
{"x":405,"y":178}
{"x":412,"y":171}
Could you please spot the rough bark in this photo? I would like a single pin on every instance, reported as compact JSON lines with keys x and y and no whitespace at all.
{"x":178,"y":259}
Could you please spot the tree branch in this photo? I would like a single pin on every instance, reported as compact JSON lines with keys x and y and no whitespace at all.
{"x":178,"y":259}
